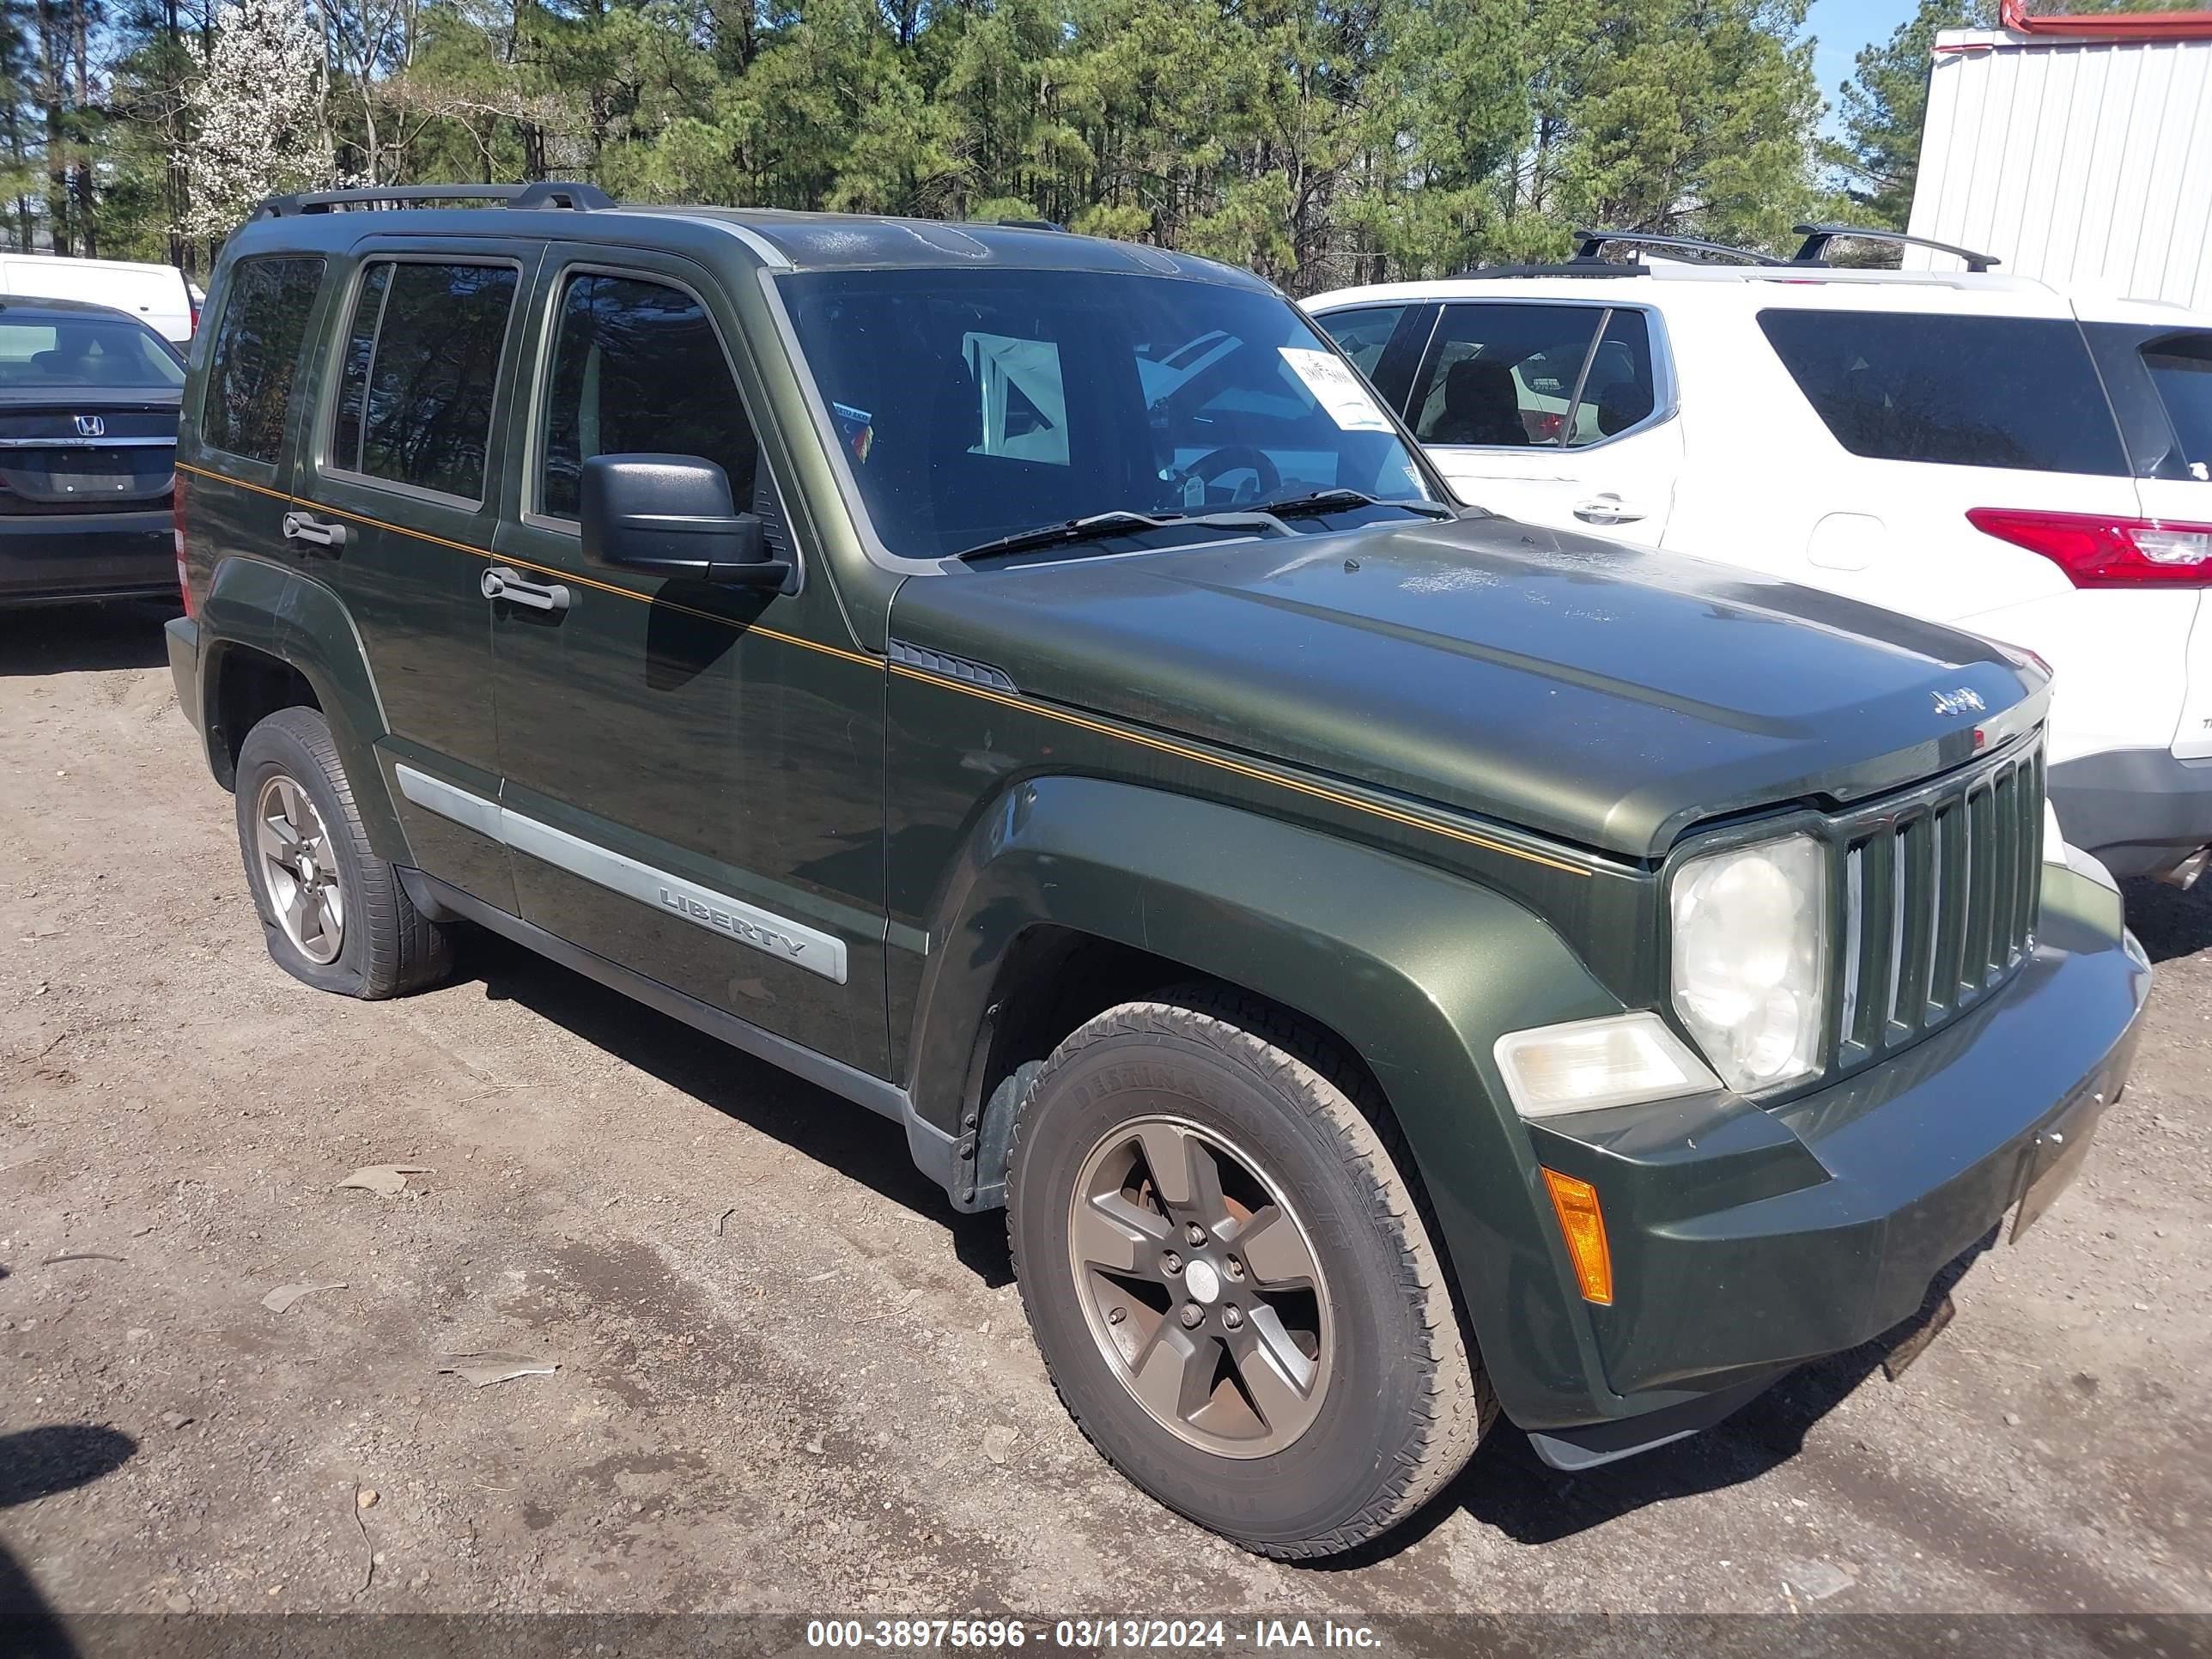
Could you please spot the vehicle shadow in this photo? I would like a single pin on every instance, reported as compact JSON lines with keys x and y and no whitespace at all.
{"x":2170,"y":921}
{"x":37,"y":1463}
{"x":810,"y":1121}
{"x":1506,"y":1487}
{"x":65,"y":639}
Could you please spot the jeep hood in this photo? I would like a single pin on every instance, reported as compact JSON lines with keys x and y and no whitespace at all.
{"x":1589,"y":691}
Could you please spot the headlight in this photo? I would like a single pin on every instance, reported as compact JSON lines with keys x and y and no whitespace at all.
{"x":1751,"y":958}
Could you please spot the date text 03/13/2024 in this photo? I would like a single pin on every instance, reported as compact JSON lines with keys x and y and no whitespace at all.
{"x":1166,"y":1635}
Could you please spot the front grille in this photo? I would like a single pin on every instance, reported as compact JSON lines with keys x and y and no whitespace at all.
{"x":1938,"y":898}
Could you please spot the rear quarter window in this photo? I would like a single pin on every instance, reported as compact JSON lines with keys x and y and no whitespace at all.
{"x":2180,"y":367}
{"x":256,"y":355}
{"x":2004,"y":392}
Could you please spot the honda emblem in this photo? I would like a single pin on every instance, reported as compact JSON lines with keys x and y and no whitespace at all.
{"x":90,"y":426}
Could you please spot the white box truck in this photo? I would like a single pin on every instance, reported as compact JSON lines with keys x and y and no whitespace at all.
{"x":155,"y":294}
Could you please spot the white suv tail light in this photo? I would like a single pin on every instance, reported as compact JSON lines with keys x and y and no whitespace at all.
{"x":2095,"y":551}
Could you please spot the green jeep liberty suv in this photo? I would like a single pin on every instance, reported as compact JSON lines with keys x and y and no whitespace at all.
{"x":1395,"y":966}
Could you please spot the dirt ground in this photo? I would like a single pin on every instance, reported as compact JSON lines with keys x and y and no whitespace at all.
{"x":790,"y":1378}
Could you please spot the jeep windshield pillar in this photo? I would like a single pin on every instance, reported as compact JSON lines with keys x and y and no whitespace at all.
{"x":1399,"y":970}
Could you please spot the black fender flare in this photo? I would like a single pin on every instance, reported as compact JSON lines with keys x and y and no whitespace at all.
{"x":1417,"y":969}
{"x":263,"y":607}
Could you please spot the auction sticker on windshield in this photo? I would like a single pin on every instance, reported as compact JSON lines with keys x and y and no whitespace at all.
{"x":1337,"y":389}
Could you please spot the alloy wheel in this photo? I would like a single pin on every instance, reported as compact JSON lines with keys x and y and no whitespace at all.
{"x":299,"y":868}
{"x":1201,"y":1287}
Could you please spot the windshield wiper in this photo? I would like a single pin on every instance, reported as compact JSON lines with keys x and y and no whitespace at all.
{"x":1070,"y":530}
{"x":1120,"y":519}
{"x":1330,"y":500}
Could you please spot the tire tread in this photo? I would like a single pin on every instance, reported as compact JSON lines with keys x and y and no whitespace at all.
{"x":1302,"y":1068}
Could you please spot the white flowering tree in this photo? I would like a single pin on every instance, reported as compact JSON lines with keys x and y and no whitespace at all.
{"x":259,"y":114}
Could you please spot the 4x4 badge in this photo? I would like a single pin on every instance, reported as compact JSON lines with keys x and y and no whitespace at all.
{"x":1959,"y":701}
{"x":90,"y":426}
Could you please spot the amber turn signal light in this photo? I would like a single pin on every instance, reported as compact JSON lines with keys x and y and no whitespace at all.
{"x":1581,"y":1224}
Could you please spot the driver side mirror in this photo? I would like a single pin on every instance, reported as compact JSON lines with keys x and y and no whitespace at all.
{"x":671,"y":515}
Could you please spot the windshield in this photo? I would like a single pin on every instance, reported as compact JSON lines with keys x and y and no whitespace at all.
{"x":90,"y":352}
{"x":976,"y":405}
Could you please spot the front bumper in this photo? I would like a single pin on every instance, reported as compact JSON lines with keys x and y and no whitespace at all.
{"x":52,"y":556}
{"x":2140,"y":811}
{"x":1748,"y":1239}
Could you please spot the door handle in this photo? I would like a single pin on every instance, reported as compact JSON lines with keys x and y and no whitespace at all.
{"x":1608,"y":509}
{"x":299,"y":527}
{"x":501,"y":583}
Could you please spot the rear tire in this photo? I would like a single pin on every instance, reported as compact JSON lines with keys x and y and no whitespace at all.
{"x":1340,"y":1394}
{"x":334,"y":914}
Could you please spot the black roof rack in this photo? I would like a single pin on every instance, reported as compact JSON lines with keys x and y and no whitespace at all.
{"x":1563,"y":268}
{"x":1586,"y":262}
{"x":544,"y":193}
{"x":1588,"y":242}
{"x":1032,"y":224}
{"x":1813,"y":250}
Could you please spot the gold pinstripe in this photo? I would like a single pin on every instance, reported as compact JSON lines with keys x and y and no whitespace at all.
{"x":543,"y":570}
{"x":1318,"y":791}
{"x":224,"y":478}
{"x":1023,"y":705}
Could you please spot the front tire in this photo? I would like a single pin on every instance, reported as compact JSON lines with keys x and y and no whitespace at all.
{"x":1230,"y":1280}
{"x":334,"y":914}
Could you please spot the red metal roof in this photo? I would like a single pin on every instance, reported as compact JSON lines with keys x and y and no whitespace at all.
{"x":2107,"y":25}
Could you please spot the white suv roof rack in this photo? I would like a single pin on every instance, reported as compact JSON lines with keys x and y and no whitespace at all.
{"x":1811,"y":255}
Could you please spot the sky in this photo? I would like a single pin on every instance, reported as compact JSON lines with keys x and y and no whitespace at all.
{"x":1842,"y":26}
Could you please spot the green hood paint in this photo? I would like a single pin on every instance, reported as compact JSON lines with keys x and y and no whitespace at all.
{"x":1572,"y":687}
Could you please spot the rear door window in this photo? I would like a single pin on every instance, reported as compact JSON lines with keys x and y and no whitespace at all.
{"x":2005,"y":391}
{"x":256,"y":355}
{"x":1504,"y":376}
{"x":1620,"y":388}
{"x":419,"y":372}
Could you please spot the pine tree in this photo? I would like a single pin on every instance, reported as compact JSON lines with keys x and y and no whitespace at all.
{"x":1315,"y":141}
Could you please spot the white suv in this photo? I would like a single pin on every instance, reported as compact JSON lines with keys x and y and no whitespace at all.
{"x":1974,"y":448}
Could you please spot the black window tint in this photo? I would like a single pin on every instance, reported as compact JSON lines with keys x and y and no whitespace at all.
{"x":256,"y":354}
{"x":1503,"y":375}
{"x":2011,"y":391}
{"x":422,"y":394}
{"x":2180,"y":367}
{"x":637,"y":369}
{"x":353,"y":381}
{"x":1363,"y":334}
{"x":1618,"y":388}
